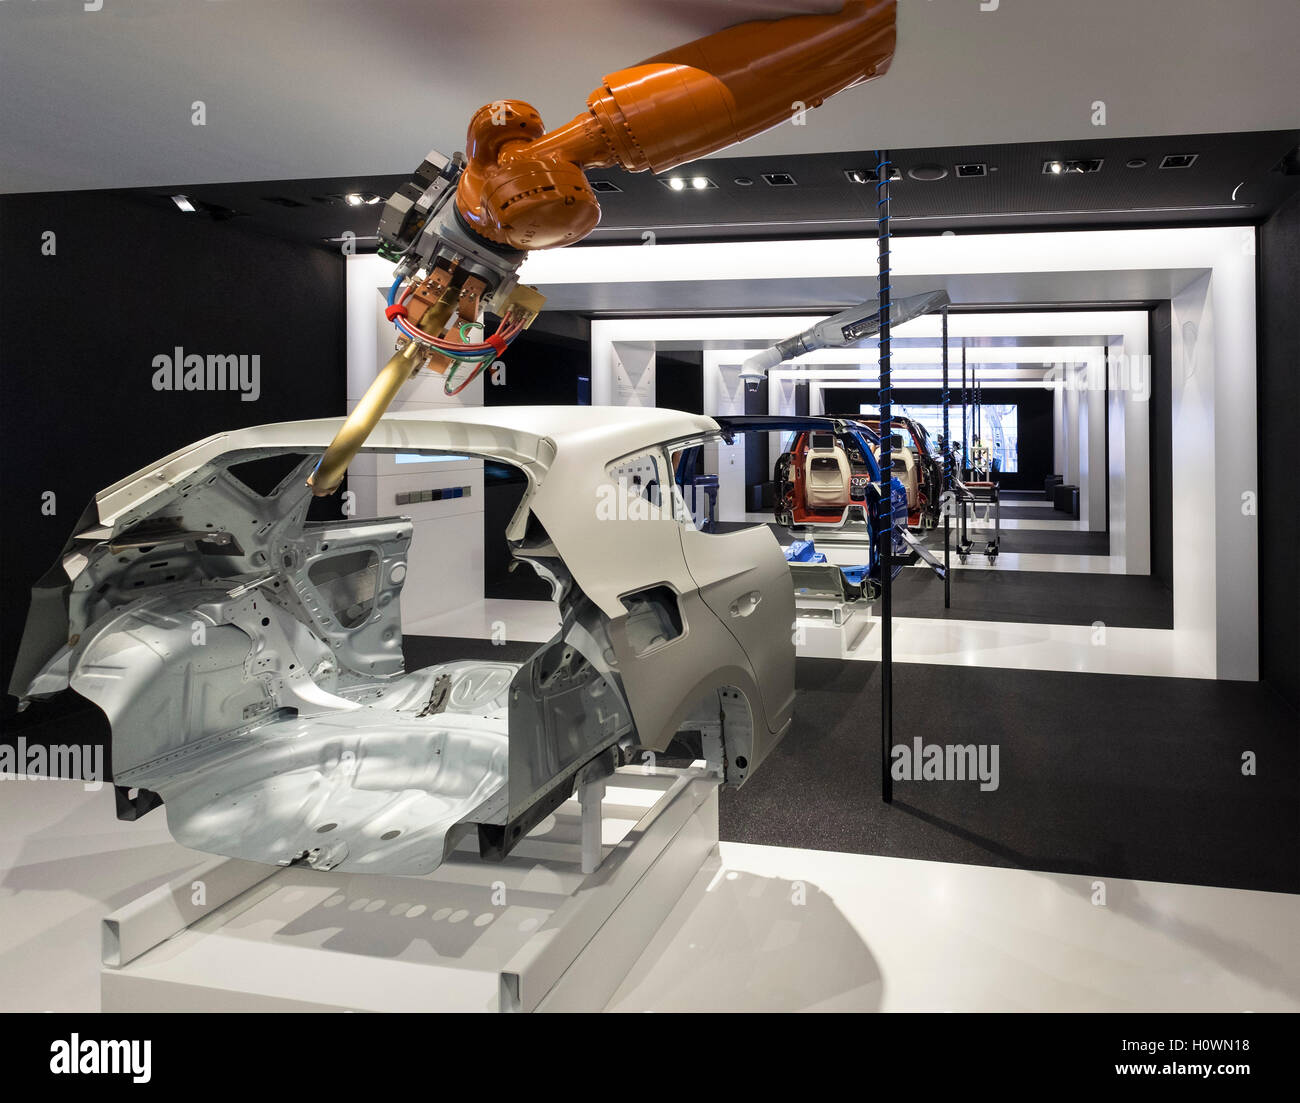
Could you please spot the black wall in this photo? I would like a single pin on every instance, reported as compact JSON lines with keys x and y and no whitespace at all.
{"x":679,"y":381}
{"x":1037,"y":444}
{"x":1162,"y":443}
{"x":545,"y":364}
{"x":758,"y":463}
{"x":1279,"y":415}
{"x":78,"y":334}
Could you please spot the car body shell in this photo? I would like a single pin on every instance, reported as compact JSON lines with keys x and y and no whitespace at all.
{"x":250,"y":664}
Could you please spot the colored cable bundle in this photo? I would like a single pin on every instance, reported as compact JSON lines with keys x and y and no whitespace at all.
{"x":480,"y":354}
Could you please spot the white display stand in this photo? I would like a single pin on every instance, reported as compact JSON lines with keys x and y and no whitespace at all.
{"x":531,"y":933}
{"x":830,"y":629}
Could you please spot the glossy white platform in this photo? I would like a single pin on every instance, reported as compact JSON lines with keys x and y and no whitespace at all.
{"x":763,"y":928}
{"x":766,"y":928}
{"x":533,"y":932}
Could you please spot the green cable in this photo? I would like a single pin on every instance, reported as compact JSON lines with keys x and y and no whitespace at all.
{"x":477,"y":358}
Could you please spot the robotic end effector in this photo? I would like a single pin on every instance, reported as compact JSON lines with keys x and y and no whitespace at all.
{"x":446,"y":276}
{"x":461,"y":227}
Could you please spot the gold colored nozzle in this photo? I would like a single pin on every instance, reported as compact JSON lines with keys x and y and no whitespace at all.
{"x":361,"y":422}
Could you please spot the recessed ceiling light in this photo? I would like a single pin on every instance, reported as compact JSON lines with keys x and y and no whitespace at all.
{"x":1136,"y":163}
{"x":868,"y":176}
{"x":779,"y":179}
{"x":927,"y":172}
{"x":743,"y":182}
{"x":354,"y":199}
{"x":1073,"y":167}
{"x":183,"y":202}
{"x":1178,"y":160}
{"x":605,"y":187}
{"x":687,"y":183}
{"x":972,"y":168}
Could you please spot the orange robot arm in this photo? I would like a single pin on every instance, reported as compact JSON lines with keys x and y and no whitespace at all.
{"x":524,"y":187}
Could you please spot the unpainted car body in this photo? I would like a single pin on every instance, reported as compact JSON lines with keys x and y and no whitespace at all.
{"x":250,"y":661}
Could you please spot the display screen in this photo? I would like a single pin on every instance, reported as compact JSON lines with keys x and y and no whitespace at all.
{"x":998,"y":424}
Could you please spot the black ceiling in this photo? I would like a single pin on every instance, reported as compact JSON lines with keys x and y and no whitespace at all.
{"x":1239,"y":178}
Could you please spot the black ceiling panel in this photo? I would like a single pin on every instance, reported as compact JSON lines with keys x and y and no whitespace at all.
{"x":1234,"y":178}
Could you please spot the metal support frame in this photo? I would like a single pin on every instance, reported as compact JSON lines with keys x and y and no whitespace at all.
{"x":591,"y":794}
{"x":965,"y":430}
{"x":945,"y":499}
{"x":885,"y":522}
{"x":585,"y":933}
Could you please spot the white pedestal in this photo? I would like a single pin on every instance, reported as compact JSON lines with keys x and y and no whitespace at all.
{"x":530,"y":933}
{"x":821,"y":637}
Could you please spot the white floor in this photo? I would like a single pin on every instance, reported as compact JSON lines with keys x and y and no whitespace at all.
{"x":1033,"y":561}
{"x":851,"y":554}
{"x":763,"y":928}
{"x":1150,"y":652}
{"x":1048,"y":524}
{"x":770,"y":928}
{"x":1001,"y":644}
{"x":1025,"y":561}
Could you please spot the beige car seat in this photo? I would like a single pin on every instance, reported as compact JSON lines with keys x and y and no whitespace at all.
{"x":909,"y":475}
{"x":905,"y":471}
{"x":826,"y":474}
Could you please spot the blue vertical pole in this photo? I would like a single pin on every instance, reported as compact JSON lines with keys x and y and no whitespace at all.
{"x":885,"y":521}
